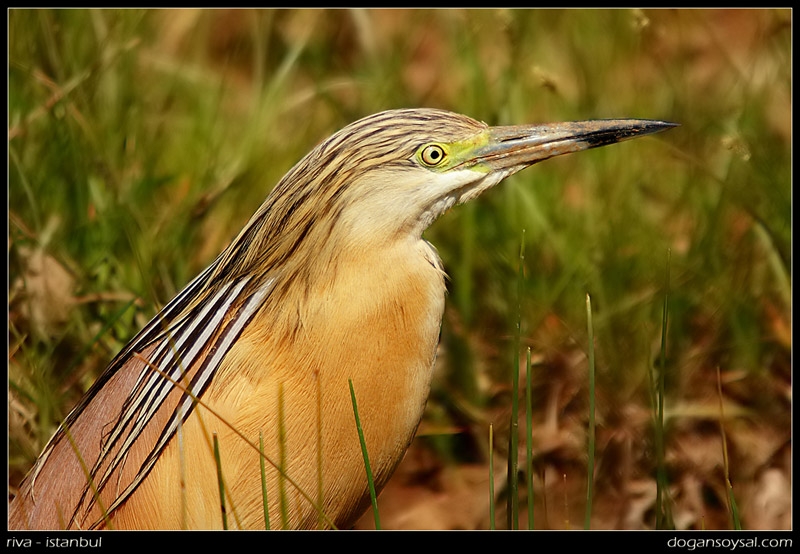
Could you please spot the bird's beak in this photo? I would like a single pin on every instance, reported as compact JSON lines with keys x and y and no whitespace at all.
{"x":518,"y":146}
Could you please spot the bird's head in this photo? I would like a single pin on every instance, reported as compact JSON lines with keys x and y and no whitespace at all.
{"x":399,"y":170}
{"x":393,"y":173}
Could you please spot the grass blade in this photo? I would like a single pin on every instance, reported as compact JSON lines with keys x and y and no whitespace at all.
{"x":89,"y":478}
{"x":491,"y":478}
{"x":373,"y":497}
{"x":263,"y":480}
{"x":529,"y":435}
{"x":590,"y":466}
{"x":320,"y":488}
{"x":513,"y":435}
{"x":282,"y":461}
{"x":737,"y":524}
{"x":222,"y":509}
{"x":663,"y":516}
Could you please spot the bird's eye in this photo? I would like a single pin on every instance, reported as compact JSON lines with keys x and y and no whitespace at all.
{"x":432,"y":155}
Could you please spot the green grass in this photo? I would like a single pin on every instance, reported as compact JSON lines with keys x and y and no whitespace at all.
{"x":262,"y":467}
{"x":221,"y":482}
{"x":590,"y":443}
{"x":373,"y":496}
{"x":663,"y":506}
{"x":529,"y":438}
{"x":513,"y":434}
{"x":140,"y":141}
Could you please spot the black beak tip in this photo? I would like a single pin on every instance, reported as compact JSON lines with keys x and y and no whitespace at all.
{"x":627,"y":129}
{"x":666,"y":124}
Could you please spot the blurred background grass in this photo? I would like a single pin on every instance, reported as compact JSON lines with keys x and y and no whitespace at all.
{"x":140,"y":141}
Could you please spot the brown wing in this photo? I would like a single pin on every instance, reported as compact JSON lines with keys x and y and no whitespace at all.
{"x":112,"y":439}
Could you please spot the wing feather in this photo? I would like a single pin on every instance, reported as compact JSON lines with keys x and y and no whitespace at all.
{"x":185,"y":343}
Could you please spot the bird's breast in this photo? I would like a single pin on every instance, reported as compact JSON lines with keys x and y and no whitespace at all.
{"x":373,"y":320}
{"x":377,"y":324}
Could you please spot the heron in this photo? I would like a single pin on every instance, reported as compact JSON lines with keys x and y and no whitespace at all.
{"x":329,"y":285}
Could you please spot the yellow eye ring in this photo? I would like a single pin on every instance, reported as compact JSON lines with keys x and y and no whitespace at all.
{"x":432,"y":155}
